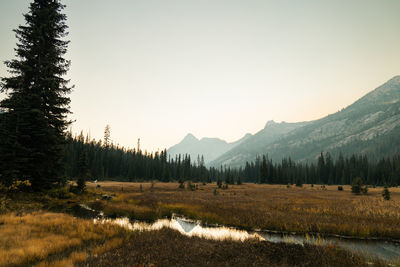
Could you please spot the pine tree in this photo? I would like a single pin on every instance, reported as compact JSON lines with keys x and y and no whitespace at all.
{"x":386,"y":193}
{"x":107,"y":134}
{"x":263,"y":170}
{"x":36,"y":105}
{"x":83,"y":172}
{"x":356,"y":185}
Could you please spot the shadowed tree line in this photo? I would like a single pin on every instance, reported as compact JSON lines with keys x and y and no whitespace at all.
{"x":326,"y":170}
{"x":117,"y":163}
{"x":108,"y":161}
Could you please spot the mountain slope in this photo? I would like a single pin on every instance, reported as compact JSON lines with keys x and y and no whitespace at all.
{"x":371,"y":125}
{"x":210,"y":148}
{"x":258,"y":142}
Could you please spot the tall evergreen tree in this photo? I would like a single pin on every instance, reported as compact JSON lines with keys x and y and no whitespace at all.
{"x":107,"y":134}
{"x":83,"y":172}
{"x":36,"y":105}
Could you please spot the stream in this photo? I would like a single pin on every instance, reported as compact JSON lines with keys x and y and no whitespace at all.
{"x":384,"y":250}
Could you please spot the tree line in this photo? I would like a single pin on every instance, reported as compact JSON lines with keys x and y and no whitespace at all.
{"x":107,"y":161}
{"x":326,"y":170}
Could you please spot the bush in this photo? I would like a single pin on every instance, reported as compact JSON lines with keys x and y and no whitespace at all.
{"x":215,"y":192}
{"x":191,"y":187}
{"x":386,"y":193}
{"x":61,"y":193}
{"x":340,"y":188}
{"x":364,"y":189}
{"x":152,"y":186}
{"x":219,"y":183}
{"x":358,"y":186}
{"x":17,"y":186}
{"x":299,"y":182}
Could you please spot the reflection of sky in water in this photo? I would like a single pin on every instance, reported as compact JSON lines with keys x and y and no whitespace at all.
{"x":382,"y":250}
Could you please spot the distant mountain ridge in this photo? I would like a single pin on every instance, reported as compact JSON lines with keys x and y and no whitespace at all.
{"x":210,"y":148}
{"x":371,"y":125}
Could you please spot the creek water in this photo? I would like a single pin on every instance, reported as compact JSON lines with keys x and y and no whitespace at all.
{"x":384,"y":250}
{"x":380,"y":249}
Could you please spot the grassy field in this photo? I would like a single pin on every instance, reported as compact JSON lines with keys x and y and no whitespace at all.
{"x":252,"y":206}
{"x":36,"y":231}
{"x":169,"y":248}
{"x":53,"y":239}
{"x":56,"y":239}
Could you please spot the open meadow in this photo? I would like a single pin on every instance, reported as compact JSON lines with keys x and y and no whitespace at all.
{"x":53,"y":239}
{"x":306,"y":209}
{"x":57,"y":240}
{"x":37,"y":231}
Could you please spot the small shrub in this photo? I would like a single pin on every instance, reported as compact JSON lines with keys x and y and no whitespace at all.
{"x":61,"y":193}
{"x":299,"y":182}
{"x":358,"y":186}
{"x":191,"y":187}
{"x":181,"y":185}
{"x":19,"y":186}
{"x":3,"y":188}
{"x":386,"y":193}
{"x":215,"y":192}
{"x":288,"y":186}
{"x":364,"y":189}
{"x":219,"y":183}
{"x":340,"y":188}
{"x":141,"y":188}
{"x":152,"y":186}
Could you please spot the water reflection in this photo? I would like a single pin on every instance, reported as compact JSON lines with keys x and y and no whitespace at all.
{"x":377,"y":249}
{"x":185,"y":227}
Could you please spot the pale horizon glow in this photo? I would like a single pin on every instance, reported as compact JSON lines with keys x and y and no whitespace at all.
{"x":158,"y":70}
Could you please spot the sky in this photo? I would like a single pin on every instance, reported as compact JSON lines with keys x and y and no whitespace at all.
{"x":159,"y":69}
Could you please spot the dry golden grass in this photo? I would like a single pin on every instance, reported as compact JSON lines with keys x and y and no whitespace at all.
{"x":167,"y":247}
{"x":31,"y":238}
{"x":108,"y":245}
{"x":274,"y":207}
{"x":72,"y":260}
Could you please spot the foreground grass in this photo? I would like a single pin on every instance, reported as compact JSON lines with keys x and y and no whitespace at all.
{"x":34,"y":237}
{"x":56,"y":239}
{"x":169,"y":248}
{"x":53,"y":239}
{"x":251,"y":206}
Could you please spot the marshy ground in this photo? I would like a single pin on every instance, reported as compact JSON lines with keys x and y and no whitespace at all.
{"x":36,"y":231}
{"x":324,"y":210}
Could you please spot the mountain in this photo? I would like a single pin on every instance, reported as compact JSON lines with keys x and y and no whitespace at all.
{"x":370,"y":126}
{"x":250,"y":148}
{"x":210,"y":148}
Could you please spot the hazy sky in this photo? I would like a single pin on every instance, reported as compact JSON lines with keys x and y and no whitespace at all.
{"x":158,"y":69}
